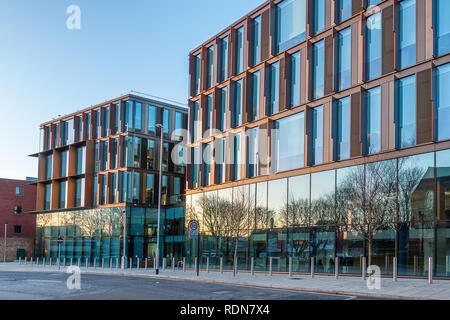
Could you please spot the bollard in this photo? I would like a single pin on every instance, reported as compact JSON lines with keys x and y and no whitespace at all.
{"x":363,"y":271}
{"x":64,"y":263}
{"x":20,"y":260}
{"x":336,"y":268}
{"x":394,"y":272}
{"x":312,"y":267}
{"x":252,"y":266}
{"x":117,"y":263}
{"x":235,"y":266}
{"x":25,"y":260}
{"x":290,"y":266}
{"x":87,"y":266}
{"x":164,"y":264}
{"x":37,"y":261}
{"x":110,"y":263}
{"x":51,"y":261}
{"x":103,"y":263}
{"x":131,"y":263}
{"x":95,"y":263}
{"x":270,"y":266}
{"x":195,"y":264}
{"x":137,"y":265}
{"x":173,"y":264}
{"x":184,"y":264}
{"x":146,"y":263}
{"x":71,"y":261}
{"x":43,"y":261}
{"x":221,"y":265}
{"x":430,"y":270}
{"x":79,"y":262}
{"x":154,"y":263}
{"x":31,"y":261}
{"x":207,"y":265}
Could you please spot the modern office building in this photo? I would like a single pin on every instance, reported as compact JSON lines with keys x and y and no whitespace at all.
{"x":332,"y":137}
{"x":17,"y":197}
{"x":100,"y":165}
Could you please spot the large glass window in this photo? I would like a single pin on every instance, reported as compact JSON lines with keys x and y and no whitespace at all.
{"x":196,"y":119}
{"x":196,"y":76}
{"x":373,"y":120}
{"x":322,"y":198}
{"x":252,"y":152}
{"x":443,"y":185}
{"x":209,"y":66}
{"x":294,"y":80}
{"x":87,"y":126}
{"x":274,"y":90}
{"x":319,"y":16}
{"x":138,"y":116}
{"x":316,"y":156}
{"x":343,"y":65}
{"x":81,"y":160}
{"x":166,"y":120}
{"x":220,"y":159}
{"x":151,"y":118}
{"x":256,"y":41}
{"x":47,"y":196}
{"x":277,"y":206}
{"x":49,"y":167}
{"x":113,"y":189}
{"x":97,"y":116}
{"x":206,"y":165}
{"x":222,"y":110}
{"x":237,"y":105}
{"x":317,"y":84}
{"x":373,"y":46}
{"x":371,"y":3}
{"x":442,"y":102}
{"x":343,"y":10}
{"x":105,"y":122}
{"x":208,"y":114}
{"x":288,"y":153}
{"x":103,"y":155}
{"x":239,"y":52}
{"x":342,"y":128}
{"x":237,"y":157}
{"x":255,"y":83}
{"x":114,"y":153}
{"x":407,"y":34}
{"x":223,"y":60}
{"x":290,"y":24}
{"x":79,"y":192}
{"x":64,"y":163}
{"x":406,"y":112}
{"x":150,"y":187}
{"x":62,"y":194}
{"x":442,"y":27}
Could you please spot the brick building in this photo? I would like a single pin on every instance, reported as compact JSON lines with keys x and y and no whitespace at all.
{"x":17,"y":197}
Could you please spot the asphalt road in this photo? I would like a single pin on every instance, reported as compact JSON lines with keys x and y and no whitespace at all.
{"x":52,"y":286}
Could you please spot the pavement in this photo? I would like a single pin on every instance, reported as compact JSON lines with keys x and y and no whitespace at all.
{"x":406,"y":289}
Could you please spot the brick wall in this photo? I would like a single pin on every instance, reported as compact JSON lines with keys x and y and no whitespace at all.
{"x":12,"y":244}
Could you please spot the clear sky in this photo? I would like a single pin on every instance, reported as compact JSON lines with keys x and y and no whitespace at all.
{"x":47,"y":70}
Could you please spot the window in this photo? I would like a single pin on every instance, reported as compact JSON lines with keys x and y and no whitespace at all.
{"x":103,"y":155}
{"x":318,"y":69}
{"x":343,"y":65}
{"x":136,"y":187}
{"x":342,"y":128}
{"x":196,"y":87}
{"x":96,"y":161}
{"x":316,"y":156}
{"x":178,"y":124}
{"x":105,"y":122}
{"x":138,"y":116}
{"x":195,"y":164}
{"x":206,"y":165}
{"x":62,"y":194}
{"x":164,"y":191}
{"x":47,"y":138}
{"x":179,"y":159}
{"x":115,"y":122}
{"x":165,"y":157}
{"x":18,"y":210}
{"x":103,"y":185}
{"x":79,"y":192}
{"x":208,"y":115}
{"x":196,"y":120}
{"x":150,"y":186}
{"x":114,"y":153}
{"x":48,"y":167}
{"x":220,"y":160}
{"x":373,"y":121}
{"x":223,"y":60}
{"x":97,"y":123}
{"x":47,"y":196}
{"x":319,"y":16}
{"x":222,"y":112}
{"x":273,"y":91}
{"x":151,"y":152}
{"x":343,"y":10}
{"x":252,"y":152}
{"x":407,"y":34}
{"x":136,"y":144}
{"x":442,"y":102}
{"x":113,"y":187}
{"x":406,"y":112}
{"x":209,"y":67}
{"x":288,"y":153}
{"x":442,"y":27}
{"x":237,"y":105}
{"x":256,"y":43}
{"x":17,"y":229}
{"x":81,"y":159}
{"x":87,"y":126}
{"x":95,"y":191}
{"x":239,"y":54}
{"x":373,"y":46}
{"x":55,"y":135}
{"x":294,"y":80}
{"x":290,"y":24}
{"x":19,"y":191}
{"x":236,"y":157}
{"x":64,"y":163}
{"x":64,"y":133}
{"x":255,"y":87}
{"x":151,"y":118}
{"x":166,"y":115}
{"x":371,"y":3}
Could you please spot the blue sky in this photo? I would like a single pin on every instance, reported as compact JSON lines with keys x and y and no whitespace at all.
{"x":47,"y":70}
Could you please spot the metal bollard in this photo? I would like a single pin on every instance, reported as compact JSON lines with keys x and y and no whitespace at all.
{"x":252,"y":266}
{"x":137,"y":265}
{"x":64,"y":263}
{"x":363,"y":271}
{"x":131,"y":263}
{"x":290,"y":266}
{"x":71,"y":261}
{"x":312,"y":267}
{"x":37,"y":261}
{"x":236,"y":266}
{"x":20,"y":260}
{"x":25,"y":260}
{"x":103,"y":263}
{"x":207,"y":264}
{"x":195,"y":263}
{"x":336,"y":268}
{"x":164,"y":264}
{"x":221,"y":265}
{"x":173,"y":264}
{"x":43,"y":261}
{"x":184,"y":264}
{"x":270,"y":266}
{"x":95,"y":263}
{"x":430,"y":270}
{"x":79,"y":262}
{"x":394,"y":272}
{"x":117,"y":263}
{"x":31,"y":261}
{"x":110,"y":263}
{"x":87,"y":266}
{"x":154,"y":263}
{"x":146,"y":263}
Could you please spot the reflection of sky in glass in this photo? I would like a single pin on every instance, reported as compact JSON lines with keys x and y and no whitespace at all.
{"x":322,"y":184}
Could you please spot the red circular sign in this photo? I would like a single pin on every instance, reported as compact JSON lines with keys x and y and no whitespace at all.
{"x":60,"y":240}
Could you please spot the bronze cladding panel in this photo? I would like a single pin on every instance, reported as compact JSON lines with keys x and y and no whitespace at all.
{"x":357,"y":6}
{"x":424,"y":114}
{"x":355,"y":125}
{"x":420,"y":30}
{"x":265,"y":35}
{"x":355,"y":54}
{"x":387,"y":40}
{"x":283,"y":83}
{"x":71,"y":193}
{"x":72,"y":160}
{"x":328,"y":13}
{"x":56,"y":164}
{"x":54,"y":203}
{"x":328,"y":141}
{"x":329,"y":68}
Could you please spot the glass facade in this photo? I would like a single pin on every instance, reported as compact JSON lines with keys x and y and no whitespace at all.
{"x":223,"y":60}
{"x":317,"y":80}
{"x":294,"y":80}
{"x":256,"y":89}
{"x":343,"y":10}
{"x":290,"y":24}
{"x":256,"y":40}
{"x":441,"y":27}
{"x":342,"y":128}
{"x":239,"y":52}
{"x":441,"y":102}
{"x":406,"y":112}
{"x":222,"y":109}
{"x":344,"y":58}
{"x":252,"y":152}
{"x":319,"y":16}
{"x":373,"y":121}
{"x":407,"y":34}
{"x":236,"y":111}
{"x":373,"y":47}
{"x":274,"y":89}
{"x":210,"y":67}
{"x":196,"y":77}
{"x":316,"y":156}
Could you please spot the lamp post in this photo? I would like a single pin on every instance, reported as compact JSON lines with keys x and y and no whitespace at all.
{"x":160,"y":126}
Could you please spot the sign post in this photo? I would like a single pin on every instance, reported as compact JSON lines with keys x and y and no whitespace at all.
{"x":59,"y":241}
{"x":193,"y":234}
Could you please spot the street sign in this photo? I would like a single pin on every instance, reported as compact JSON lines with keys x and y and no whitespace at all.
{"x":60,"y":240}
{"x":193,"y":229}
